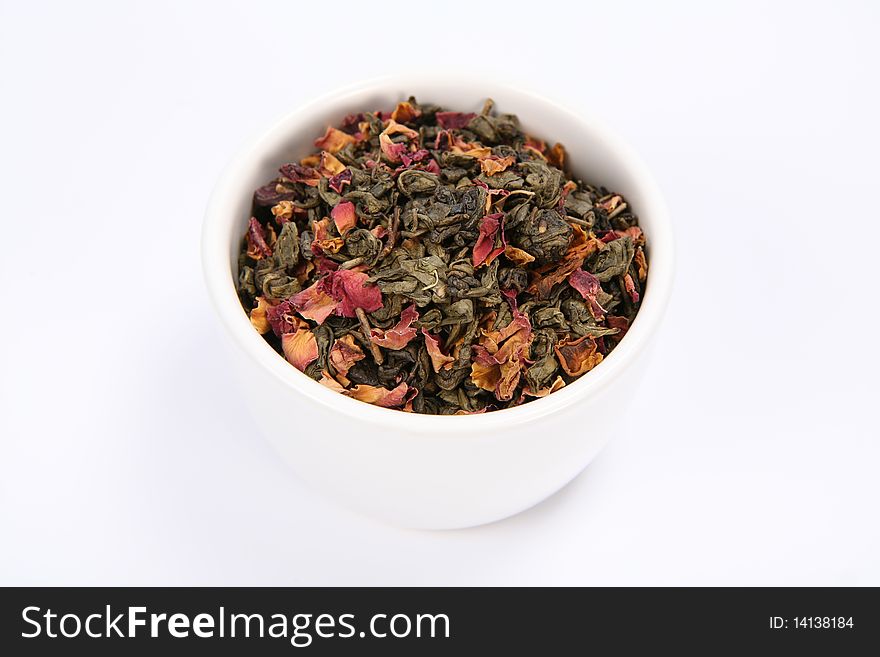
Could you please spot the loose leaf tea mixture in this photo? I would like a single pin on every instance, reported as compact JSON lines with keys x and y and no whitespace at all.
{"x":440,"y":262}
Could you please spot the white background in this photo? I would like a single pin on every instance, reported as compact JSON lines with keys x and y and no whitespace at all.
{"x":751,"y":455}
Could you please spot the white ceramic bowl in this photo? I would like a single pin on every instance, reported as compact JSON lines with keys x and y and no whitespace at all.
{"x":420,"y":470}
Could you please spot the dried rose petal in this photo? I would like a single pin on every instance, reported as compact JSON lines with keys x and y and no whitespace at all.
{"x":579,"y":356}
{"x":350,"y":122}
{"x":439,"y":360}
{"x":380,"y":396}
{"x":334,"y":140}
{"x":518,"y":256}
{"x":409,"y":159}
{"x":620,"y":323}
{"x":283,"y":211}
{"x":259,"y":316}
{"x":454,"y":120}
{"x":325,"y":265}
{"x":391,"y":150}
{"x":300,"y":348}
{"x":589,"y":287}
{"x":351,"y":290}
{"x":324,"y":242}
{"x":312,"y":161}
{"x":256,"y":241}
{"x":630,"y":286}
{"x":557,"y":384}
{"x":499,"y":358}
{"x":485,"y":370}
{"x":405,"y":112}
{"x":536,"y":145}
{"x":556,"y":156}
{"x":329,"y":382}
{"x":345,"y":353}
{"x":269,"y":195}
{"x":344,"y":217}
{"x":340,"y":180}
{"x":494,"y":164}
{"x":298,"y":173}
{"x":641,"y":264}
{"x":282,"y":317}
{"x":392,"y":127}
{"x":329,"y":166}
{"x":462,"y":147}
{"x":314,"y":303}
{"x":633,"y":232}
{"x":398,"y":336}
{"x":485,"y":250}
{"x":582,"y":247}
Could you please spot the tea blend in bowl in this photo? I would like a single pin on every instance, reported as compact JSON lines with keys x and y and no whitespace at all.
{"x":440,"y":262}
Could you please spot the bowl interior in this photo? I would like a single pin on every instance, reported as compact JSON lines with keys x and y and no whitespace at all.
{"x":595,"y":155}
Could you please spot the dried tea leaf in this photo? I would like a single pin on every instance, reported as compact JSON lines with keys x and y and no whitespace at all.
{"x":287,"y":246}
{"x":613,"y":259}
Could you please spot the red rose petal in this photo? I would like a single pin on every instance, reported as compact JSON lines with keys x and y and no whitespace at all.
{"x":589,"y":287}
{"x":485,"y":250}
{"x":454,"y":120}
{"x":351,"y":290}
{"x":344,"y":217}
{"x":399,"y":335}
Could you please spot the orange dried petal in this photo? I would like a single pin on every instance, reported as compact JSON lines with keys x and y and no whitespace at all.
{"x":641,"y":264}
{"x":344,"y":217}
{"x":518,"y":256}
{"x":392,"y":127}
{"x":259,"y":318}
{"x":405,"y":112}
{"x":558,"y":384}
{"x":380,"y":396}
{"x":334,"y":140}
{"x":330,"y":165}
{"x":579,"y":356}
{"x":556,"y":156}
{"x":330,"y":382}
{"x":494,"y":164}
{"x":345,"y":353}
{"x":439,"y":360}
{"x":283,"y":211}
{"x":300,"y":348}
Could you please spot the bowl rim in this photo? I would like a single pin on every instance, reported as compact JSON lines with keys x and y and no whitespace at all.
{"x":217,"y":231}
